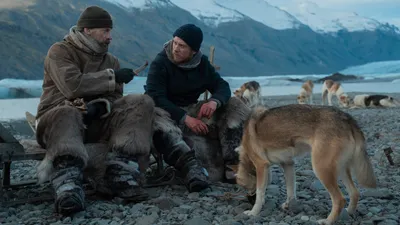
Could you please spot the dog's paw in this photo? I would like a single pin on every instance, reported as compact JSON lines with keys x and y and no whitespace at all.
{"x":324,"y":222}
{"x":289,"y":203}
{"x":351,"y":211}
{"x":285,"y":206}
{"x":250,"y":213}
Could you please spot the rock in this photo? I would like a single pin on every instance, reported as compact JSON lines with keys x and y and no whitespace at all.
{"x":147,"y":220}
{"x":375,"y":210}
{"x":306,"y":173}
{"x":231,"y":222}
{"x":197,"y":221}
{"x":382,"y":193}
{"x":305,"y":218}
{"x":317,"y":186}
{"x":164,"y":203}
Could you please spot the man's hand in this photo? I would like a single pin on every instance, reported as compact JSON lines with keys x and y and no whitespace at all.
{"x":196,"y":125}
{"x":124,"y":75}
{"x":207,"y":110}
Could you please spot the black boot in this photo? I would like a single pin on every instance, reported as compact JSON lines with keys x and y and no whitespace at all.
{"x":182,"y":157}
{"x":67,"y":183}
{"x":125,"y":181}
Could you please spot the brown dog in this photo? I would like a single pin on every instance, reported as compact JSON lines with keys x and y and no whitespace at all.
{"x":306,"y":93}
{"x":250,"y":93}
{"x":330,"y":88}
{"x":278,"y":135}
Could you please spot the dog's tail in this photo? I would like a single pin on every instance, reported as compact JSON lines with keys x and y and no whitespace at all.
{"x":254,"y":118}
{"x":361,"y":163}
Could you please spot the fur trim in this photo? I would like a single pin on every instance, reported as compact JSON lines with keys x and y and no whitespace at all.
{"x":106,"y":102}
{"x":130,"y":125}
{"x":60,"y":132}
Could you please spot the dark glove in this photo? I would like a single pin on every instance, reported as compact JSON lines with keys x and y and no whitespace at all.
{"x":124,"y":75}
{"x":94,"y":112}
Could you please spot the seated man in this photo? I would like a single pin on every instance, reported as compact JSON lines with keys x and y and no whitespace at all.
{"x":179,"y":74}
{"x":80,"y":69}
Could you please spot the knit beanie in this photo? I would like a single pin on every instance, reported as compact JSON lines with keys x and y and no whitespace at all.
{"x":94,"y":17}
{"x":191,"y":34}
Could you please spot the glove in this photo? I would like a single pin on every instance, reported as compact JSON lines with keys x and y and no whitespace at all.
{"x":94,"y":112}
{"x":124,"y":75}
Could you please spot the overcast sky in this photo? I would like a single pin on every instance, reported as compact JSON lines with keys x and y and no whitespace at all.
{"x":382,"y":10}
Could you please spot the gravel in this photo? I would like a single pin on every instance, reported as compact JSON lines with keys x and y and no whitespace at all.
{"x":174,"y":205}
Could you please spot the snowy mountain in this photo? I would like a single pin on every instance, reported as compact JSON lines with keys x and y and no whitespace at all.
{"x":251,"y":37}
{"x":325,"y":20}
{"x":215,"y":12}
{"x":141,"y":4}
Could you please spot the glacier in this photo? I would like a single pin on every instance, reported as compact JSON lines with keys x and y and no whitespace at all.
{"x":385,"y":72}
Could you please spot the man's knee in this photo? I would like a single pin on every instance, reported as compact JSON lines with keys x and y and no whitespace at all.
{"x":59,"y":122}
{"x":135,"y":99}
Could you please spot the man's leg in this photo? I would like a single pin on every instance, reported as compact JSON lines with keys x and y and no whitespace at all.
{"x":61,"y":132}
{"x":168,"y":140}
{"x":128,"y":131}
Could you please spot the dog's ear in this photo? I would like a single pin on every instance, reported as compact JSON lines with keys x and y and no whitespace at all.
{"x":342,"y":97}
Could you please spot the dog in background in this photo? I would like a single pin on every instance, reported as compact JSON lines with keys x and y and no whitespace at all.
{"x":277,"y":135}
{"x":306,"y":93}
{"x":250,"y":93}
{"x":330,"y":88}
{"x":362,"y":101}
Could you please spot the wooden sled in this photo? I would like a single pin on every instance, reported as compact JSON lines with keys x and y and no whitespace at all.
{"x":12,"y":150}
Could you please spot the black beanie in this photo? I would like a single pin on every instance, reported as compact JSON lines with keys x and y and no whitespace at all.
{"x":94,"y":17}
{"x":191,"y":34}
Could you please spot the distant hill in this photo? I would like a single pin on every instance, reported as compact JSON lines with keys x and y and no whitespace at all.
{"x":244,"y":47}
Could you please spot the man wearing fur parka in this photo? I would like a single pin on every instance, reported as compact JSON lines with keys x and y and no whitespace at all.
{"x":179,"y":74}
{"x":83,"y":116}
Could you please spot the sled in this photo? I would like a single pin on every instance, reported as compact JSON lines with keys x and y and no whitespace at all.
{"x":12,"y":150}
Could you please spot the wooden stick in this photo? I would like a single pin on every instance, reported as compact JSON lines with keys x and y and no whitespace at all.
{"x":387,"y":152}
{"x":141,"y":68}
{"x":211,"y":59}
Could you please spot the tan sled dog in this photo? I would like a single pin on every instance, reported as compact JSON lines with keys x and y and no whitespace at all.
{"x":250,"y":93}
{"x":306,"y":93}
{"x":330,"y":88}
{"x":277,"y":135}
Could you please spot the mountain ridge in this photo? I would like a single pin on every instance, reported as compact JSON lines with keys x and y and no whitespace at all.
{"x":243,"y":48}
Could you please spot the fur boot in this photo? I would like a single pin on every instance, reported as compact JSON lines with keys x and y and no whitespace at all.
{"x":168,"y":140}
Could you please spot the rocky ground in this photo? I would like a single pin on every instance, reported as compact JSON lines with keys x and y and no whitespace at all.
{"x":221,"y":204}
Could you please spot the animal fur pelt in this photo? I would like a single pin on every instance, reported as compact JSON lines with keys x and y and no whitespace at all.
{"x":225,"y":132}
{"x":208,"y":153}
{"x":129,"y":127}
{"x":61,"y":132}
{"x":94,"y":169}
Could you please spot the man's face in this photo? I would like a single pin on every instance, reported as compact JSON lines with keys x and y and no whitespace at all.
{"x":101,"y":35}
{"x":181,"y":51}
